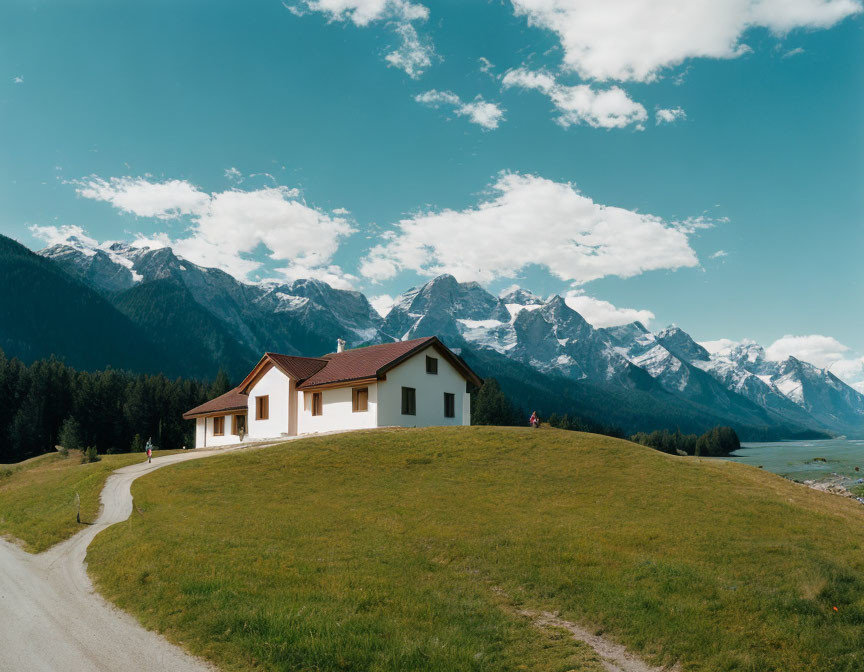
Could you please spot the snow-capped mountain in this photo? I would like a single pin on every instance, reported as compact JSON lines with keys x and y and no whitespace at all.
{"x":316,"y":313}
{"x":738,"y":384}
{"x":547,"y":335}
{"x":746,"y":368}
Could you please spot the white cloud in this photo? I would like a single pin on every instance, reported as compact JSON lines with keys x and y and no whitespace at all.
{"x":793,"y":52}
{"x":413,"y":55}
{"x":721,"y":346}
{"x":486,"y":65}
{"x":341,"y":211}
{"x":531,"y":220}
{"x":719,"y":254}
{"x":608,"y":108}
{"x":229,"y":225}
{"x":138,"y":195}
{"x":382,"y":303}
{"x":815,"y":349}
{"x":233,"y":174}
{"x":635,"y":40}
{"x":64,"y":234}
{"x":603,"y":314}
{"x":480,"y":112}
{"x":668,"y":116}
{"x":18,"y":79}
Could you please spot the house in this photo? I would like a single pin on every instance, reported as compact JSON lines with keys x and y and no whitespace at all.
{"x":416,"y":383}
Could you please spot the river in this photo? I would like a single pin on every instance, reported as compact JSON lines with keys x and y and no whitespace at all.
{"x":804,"y":460}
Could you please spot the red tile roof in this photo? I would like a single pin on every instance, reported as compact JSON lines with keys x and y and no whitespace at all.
{"x":230,"y":401}
{"x":363,"y":362}
{"x":300,"y":368}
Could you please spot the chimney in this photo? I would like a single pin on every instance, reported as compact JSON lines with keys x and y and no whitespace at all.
{"x":340,"y":345}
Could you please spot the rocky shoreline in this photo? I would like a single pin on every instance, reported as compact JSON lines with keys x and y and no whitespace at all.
{"x":833,"y":485}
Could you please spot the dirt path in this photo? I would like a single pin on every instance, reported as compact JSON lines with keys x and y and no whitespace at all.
{"x":614,"y":657}
{"x":52,"y":619}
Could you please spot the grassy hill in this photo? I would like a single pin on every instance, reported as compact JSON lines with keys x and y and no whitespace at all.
{"x":37,"y":497}
{"x":417,"y":549}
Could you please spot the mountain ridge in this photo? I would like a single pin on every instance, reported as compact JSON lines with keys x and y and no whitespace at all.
{"x":547,"y":336}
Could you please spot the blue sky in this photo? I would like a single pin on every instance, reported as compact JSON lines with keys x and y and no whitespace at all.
{"x":701,"y":166}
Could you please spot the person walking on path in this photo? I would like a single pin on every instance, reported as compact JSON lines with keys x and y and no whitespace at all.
{"x":149,"y":451}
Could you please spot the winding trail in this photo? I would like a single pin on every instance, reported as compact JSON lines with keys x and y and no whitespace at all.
{"x":51,"y":618}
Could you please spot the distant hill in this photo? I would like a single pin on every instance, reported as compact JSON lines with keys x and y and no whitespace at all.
{"x":44,"y":311}
{"x":166,"y":311}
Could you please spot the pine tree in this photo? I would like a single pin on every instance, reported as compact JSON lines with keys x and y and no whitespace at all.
{"x":220,"y":385}
{"x":490,"y":406}
{"x":70,"y":435}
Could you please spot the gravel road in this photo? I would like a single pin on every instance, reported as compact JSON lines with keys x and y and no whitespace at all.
{"x":51,"y":619}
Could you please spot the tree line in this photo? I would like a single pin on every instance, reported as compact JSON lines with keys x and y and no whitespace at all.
{"x":106,"y":409}
{"x":491,"y":406}
{"x":717,"y":442}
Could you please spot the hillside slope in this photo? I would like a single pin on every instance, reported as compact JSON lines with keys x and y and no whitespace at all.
{"x":44,"y":311}
{"x":167,"y":312}
{"x":416,"y":549}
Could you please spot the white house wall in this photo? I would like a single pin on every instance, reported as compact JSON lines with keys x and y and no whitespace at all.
{"x":277,"y":386}
{"x":211,"y":440}
{"x":199,"y":432}
{"x":430,"y":393}
{"x":337,"y":405}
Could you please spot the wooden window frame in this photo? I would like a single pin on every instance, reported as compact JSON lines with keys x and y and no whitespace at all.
{"x":355,"y":399}
{"x":262,"y":407}
{"x":235,"y":429}
{"x":317,"y":403}
{"x":449,"y":405}
{"x":432,"y":365}
{"x":219,"y":421}
{"x":409,"y":401}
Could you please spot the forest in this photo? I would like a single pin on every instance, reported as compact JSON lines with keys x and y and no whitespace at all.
{"x":108,"y":408}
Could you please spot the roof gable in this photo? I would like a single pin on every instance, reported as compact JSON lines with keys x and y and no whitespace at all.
{"x":298,"y":368}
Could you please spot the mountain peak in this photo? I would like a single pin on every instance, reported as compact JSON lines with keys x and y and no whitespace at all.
{"x":521,"y":297}
{"x":681,"y":344}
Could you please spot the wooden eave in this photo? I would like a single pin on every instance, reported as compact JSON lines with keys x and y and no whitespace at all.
{"x":354,"y":382}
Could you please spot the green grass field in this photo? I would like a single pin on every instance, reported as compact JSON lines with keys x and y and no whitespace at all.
{"x":414,"y":549}
{"x":37,"y":496}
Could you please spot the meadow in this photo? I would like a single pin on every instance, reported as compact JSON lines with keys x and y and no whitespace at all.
{"x":418,"y":549}
{"x":39,"y":497}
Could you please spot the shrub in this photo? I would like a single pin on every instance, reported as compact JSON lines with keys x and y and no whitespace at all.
{"x":138,"y":444}
{"x":90,"y":455}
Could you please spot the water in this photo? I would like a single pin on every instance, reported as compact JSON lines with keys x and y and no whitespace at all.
{"x":796,"y":459}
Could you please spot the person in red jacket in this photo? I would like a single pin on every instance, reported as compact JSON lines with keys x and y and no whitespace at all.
{"x":534,"y":420}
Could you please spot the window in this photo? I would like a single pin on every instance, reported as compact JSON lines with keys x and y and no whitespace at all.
{"x":219,"y":426}
{"x":262,"y":408}
{"x":449,"y":405}
{"x":317,"y":404}
{"x":360,"y":399}
{"x":238,"y":424}
{"x":431,"y":365}
{"x":409,"y":401}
